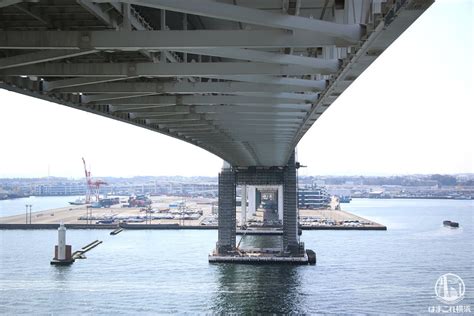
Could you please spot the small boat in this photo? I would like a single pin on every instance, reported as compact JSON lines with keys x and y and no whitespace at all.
{"x":78,"y":202}
{"x":451,"y":224}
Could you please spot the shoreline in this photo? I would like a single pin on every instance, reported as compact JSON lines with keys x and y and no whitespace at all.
{"x":199,"y":212}
{"x":165,"y":227}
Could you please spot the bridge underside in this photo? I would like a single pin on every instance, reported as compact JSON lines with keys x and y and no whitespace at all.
{"x":243,"y":79}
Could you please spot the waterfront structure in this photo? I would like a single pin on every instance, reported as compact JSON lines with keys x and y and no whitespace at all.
{"x":253,"y":194}
{"x":71,"y":188}
{"x":317,"y":197}
{"x":230,"y":177}
{"x":62,"y":252}
{"x":244,"y":81}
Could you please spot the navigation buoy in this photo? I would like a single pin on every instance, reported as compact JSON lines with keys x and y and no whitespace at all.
{"x":62,"y":252}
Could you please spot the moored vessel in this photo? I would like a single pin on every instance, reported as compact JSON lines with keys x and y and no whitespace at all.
{"x":78,"y":202}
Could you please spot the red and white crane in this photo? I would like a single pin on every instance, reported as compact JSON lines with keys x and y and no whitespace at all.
{"x":93,"y":186}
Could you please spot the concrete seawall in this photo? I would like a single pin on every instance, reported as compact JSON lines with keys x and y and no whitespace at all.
{"x":166,"y":226}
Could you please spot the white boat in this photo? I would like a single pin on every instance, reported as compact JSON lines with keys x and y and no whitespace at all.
{"x":78,"y":202}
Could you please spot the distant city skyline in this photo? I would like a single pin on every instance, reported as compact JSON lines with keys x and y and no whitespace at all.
{"x":409,"y":113}
{"x":304,"y":176}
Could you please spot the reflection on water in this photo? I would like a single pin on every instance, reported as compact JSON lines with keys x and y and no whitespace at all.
{"x":258,"y":289}
{"x":61,"y":273}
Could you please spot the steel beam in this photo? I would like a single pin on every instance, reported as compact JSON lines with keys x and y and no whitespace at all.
{"x":252,"y":118}
{"x":6,"y":3}
{"x":208,"y":109}
{"x":201,"y":100}
{"x":172,"y":111}
{"x":104,"y":98}
{"x":188,"y":124}
{"x":40,"y":57}
{"x":161,"y":40}
{"x":175,"y":118}
{"x":317,"y":85}
{"x":156,"y":70}
{"x":96,"y":11}
{"x":183,"y":87}
{"x":76,"y":82}
{"x":257,"y":107}
{"x":242,"y":109}
{"x":191,"y":129}
{"x":307,"y":97}
{"x":252,"y":125}
{"x":25,"y":8}
{"x":263,"y":133}
{"x":328,"y":65}
{"x":230,"y":12}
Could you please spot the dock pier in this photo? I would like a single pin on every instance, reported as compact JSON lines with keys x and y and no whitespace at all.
{"x":79,"y":254}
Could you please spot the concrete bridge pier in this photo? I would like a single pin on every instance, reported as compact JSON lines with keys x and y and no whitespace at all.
{"x":227,"y":216}
{"x":291,"y":249}
{"x":290,"y":208}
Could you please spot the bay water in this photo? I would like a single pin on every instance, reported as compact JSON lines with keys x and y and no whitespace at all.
{"x":167,"y":271}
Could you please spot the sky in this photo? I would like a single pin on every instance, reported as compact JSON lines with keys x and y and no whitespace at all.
{"x":410,"y":112}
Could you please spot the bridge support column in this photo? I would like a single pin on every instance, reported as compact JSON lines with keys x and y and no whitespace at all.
{"x":227,"y":216}
{"x":290,"y":211}
{"x":280,"y":179}
{"x":280,"y":203}
{"x":252,"y":201}
{"x":243,"y":210}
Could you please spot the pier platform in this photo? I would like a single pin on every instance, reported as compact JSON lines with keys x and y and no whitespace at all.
{"x":260,"y":232}
{"x":56,"y":262}
{"x":258,"y":259}
{"x":263,"y":256}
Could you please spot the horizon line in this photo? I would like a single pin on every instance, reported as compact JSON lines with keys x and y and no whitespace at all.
{"x":204,"y":176}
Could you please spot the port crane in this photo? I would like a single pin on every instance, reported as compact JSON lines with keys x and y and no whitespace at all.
{"x":93,"y":186}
